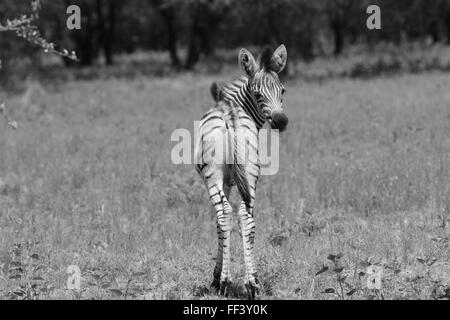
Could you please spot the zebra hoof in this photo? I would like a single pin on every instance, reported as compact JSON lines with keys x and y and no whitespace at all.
{"x":215,"y":285}
{"x":224,"y":285}
{"x":253,"y":289}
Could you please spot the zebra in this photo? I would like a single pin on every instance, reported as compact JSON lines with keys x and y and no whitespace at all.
{"x":242,"y":107}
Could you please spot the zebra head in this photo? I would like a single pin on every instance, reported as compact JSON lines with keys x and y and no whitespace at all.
{"x":264,"y":85}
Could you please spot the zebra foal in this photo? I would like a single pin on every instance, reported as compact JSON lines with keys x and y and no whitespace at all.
{"x":242,"y":107}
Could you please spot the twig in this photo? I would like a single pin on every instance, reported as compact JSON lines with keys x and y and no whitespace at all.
{"x":25,"y":28}
{"x":13,"y":124}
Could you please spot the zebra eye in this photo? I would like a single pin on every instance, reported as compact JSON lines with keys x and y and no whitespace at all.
{"x":283,"y":91}
{"x":258,"y":95}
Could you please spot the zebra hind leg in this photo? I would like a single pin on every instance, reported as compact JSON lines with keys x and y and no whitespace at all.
{"x":218,"y":268}
{"x":247,"y":228}
{"x":224,"y":212}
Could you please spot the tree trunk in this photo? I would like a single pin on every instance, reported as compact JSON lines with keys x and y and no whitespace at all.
{"x":108,"y":44}
{"x":107,"y":27}
{"x":353,"y":35}
{"x":168,"y":15}
{"x":205,"y":19}
{"x":447,"y":25}
{"x":193,"y":54}
{"x":85,"y":45}
{"x":434,"y":31}
{"x":336,"y":28}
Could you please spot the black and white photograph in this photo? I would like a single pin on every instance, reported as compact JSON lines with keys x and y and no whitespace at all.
{"x":239,"y":151}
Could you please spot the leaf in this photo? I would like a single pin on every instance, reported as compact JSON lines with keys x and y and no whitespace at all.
{"x":421,"y":260}
{"x":431,"y":261}
{"x":351,"y":292}
{"x":342,"y":279}
{"x":15,"y":276}
{"x":39,"y":267}
{"x":107,"y":285}
{"x":96,"y":276}
{"x":322,"y":270}
{"x":364,"y":264}
{"x":38,"y":278}
{"x":35,"y":256}
{"x":138,"y":291}
{"x":338,"y":269}
{"x":329,"y":290}
{"x":117,"y":292}
{"x":139,"y":274}
{"x":331,"y":257}
{"x":18,"y":270}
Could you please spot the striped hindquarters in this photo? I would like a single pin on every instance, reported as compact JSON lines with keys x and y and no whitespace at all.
{"x":227,"y":148}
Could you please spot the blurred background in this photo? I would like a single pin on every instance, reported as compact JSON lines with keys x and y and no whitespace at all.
{"x":158,"y":37}
{"x":87,"y":177}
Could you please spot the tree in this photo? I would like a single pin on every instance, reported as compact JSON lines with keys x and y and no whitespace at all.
{"x":205,"y":18}
{"x":308,"y":28}
{"x":25,"y":28}
{"x":108,"y":12}
{"x":167,"y":11}
{"x":340,"y":14}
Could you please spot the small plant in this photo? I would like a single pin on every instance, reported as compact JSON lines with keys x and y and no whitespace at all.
{"x":342,"y":288}
{"x":308,"y":225}
{"x":25,"y":273}
{"x":130,"y":288}
{"x":123,"y":290}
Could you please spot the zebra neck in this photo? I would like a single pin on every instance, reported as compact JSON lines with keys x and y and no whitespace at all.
{"x":237,"y":91}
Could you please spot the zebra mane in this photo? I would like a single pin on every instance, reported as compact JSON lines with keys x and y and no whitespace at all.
{"x":265,"y":59}
{"x":216,"y":91}
{"x":217,"y":88}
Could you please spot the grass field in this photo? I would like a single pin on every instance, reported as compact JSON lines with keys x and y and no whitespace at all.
{"x":87,"y":180}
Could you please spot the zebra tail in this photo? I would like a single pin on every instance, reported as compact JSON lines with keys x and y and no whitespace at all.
{"x":241,"y":182}
{"x":239,"y":175}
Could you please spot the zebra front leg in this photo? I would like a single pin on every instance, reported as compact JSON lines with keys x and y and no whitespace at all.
{"x":247,"y":227}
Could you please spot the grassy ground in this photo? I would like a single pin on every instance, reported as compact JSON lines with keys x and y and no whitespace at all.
{"x":87,"y":180}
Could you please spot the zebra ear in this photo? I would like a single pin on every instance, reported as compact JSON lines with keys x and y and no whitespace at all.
{"x":247,"y":62}
{"x":279,"y":58}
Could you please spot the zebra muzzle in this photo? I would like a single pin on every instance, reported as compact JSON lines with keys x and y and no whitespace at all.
{"x":278,"y":121}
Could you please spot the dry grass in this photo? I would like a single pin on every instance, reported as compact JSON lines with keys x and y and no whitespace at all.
{"x":87,"y":180}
